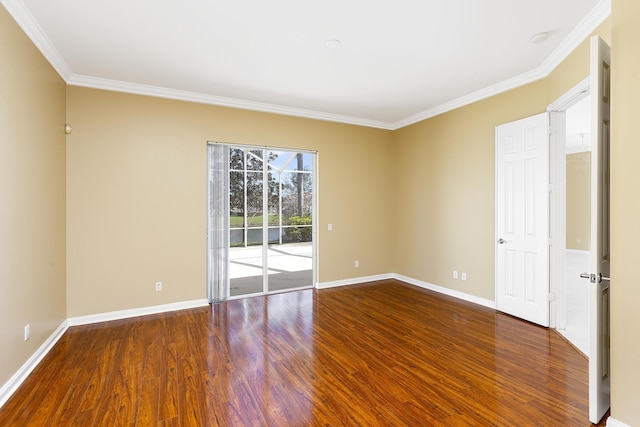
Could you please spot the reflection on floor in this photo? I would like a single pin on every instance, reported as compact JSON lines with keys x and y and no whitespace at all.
{"x":577,"y":293}
{"x":290,"y":266}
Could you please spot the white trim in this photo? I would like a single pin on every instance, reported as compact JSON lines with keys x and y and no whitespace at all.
{"x":353,"y":281}
{"x":415,"y":282}
{"x":572,"y":96}
{"x":588,"y":25}
{"x":557,"y":217}
{"x":611,"y":422}
{"x":181,"y":95}
{"x":577,"y":252}
{"x":596,"y":17}
{"x":30,"y":26}
{"x":557,"y":168}
{"x":18,"y":378}
{"x":446,"y":291}
{"x":23,"y":17}
{"x":476,"y":96}
{"x":134,"y":312}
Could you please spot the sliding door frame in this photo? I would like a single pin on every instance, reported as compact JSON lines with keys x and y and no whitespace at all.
{"x":214,"y":293}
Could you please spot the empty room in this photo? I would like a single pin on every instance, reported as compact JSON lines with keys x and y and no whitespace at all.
{"x":316,"y":214}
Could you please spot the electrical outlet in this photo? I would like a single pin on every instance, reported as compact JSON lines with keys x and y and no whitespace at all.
{"x":27,"y":332}
{"x":455,"y":274}
{"x":158,"y":286}
{"x":356,"y":264}
{"x":330,"y":227}
{"x":464,"y":276}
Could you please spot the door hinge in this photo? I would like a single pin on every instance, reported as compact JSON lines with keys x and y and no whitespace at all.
{"x":552,"y":130}
{"x":549,"y":242}
{"x":551,"y":296}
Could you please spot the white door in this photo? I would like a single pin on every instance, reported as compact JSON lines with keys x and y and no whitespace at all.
{"x":522,"y":218}
{"x":599,"y":262}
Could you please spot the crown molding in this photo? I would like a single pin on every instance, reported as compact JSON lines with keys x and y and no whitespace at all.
{"x":584,"y":29}
{"x":579,"y":34}
{"x":476,"y":96}
{"x":23,"y":17}
{"x":30,"y":26}
{"x":181,"y":95}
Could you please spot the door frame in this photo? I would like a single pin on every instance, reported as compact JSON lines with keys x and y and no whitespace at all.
{"x":314,"y":226}
{"x":557,"y":200}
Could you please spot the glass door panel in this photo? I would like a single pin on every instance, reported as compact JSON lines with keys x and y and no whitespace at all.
{"x":246,"y":258}
{"x":237,"y":209}
{"x":270,"y":220}
{"x":290,"y":259}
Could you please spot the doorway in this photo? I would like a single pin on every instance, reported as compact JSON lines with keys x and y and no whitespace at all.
{"x":570,"y":161}
{"x":261,"y":220}
{"x":578,"y":221}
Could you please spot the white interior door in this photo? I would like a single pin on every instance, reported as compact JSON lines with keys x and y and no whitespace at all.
{"x":599,"y":361}
{"x":522,"y":218}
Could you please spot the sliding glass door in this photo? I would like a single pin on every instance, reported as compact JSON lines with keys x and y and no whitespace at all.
{"x":290,"y":249}
{"x":266,"y":198}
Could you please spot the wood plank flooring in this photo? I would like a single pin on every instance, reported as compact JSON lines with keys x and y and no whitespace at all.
{"x":382,"y":353}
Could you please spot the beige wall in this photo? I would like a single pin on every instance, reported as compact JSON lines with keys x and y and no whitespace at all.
{"x":444,"y":180}
{"x":32,"y":198}
{"x":575,"y":67}
{"x":625,"y":212}
{"x":578,"y":200}
{"x":136,"y":195}
{"x":136,"y":170}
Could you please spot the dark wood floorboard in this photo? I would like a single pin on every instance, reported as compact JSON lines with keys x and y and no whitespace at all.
{"x":383,"y":353}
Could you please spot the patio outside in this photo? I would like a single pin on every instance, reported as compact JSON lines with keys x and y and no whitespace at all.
{"x":270,"y":199}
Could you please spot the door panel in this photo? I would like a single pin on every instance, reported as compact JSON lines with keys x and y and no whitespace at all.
{"x":246,"y":261}
{"x":599,"y":262}
{"x":290,"y":253}
{"x":522,"y":219}
{"x":271,"y":205}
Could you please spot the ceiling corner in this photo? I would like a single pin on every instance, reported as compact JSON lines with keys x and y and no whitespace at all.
{"x":32,"y":29}
{"x":596,"y":17}
{"x":590,"y":22}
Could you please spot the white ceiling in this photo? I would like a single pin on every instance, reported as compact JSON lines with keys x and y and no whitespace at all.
{"x":399,"y":62}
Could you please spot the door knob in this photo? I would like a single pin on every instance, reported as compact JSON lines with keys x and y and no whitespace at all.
{"x":501,"y":241}
{"x":592,"y":277}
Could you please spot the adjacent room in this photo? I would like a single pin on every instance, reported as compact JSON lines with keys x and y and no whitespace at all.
{"x":286,"y":213}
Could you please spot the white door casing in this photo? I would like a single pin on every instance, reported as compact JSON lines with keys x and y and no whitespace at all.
{"x":599,"y":262}
{"x":522,"y":218}
{"x":557,"y":209}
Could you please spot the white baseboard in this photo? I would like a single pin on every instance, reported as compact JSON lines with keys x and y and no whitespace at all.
{"x":441,"y":290}
{"x":354,"y":281}
{"x":615,"y":423}
{"x":18,"y":378}
{"x":576,"y":251}
{"x":446,"y":291}
{"x":134,"y":312}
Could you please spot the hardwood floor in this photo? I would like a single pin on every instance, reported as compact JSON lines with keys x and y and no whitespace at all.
{"x":383,"y":353}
